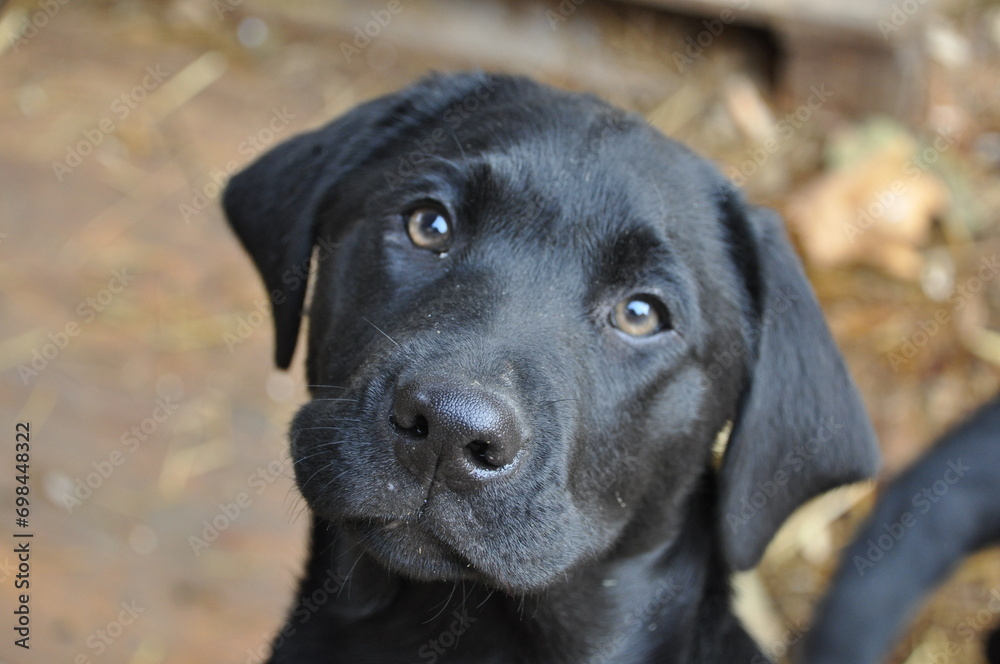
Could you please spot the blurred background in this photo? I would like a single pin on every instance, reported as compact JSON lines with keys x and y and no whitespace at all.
{"x":134,"y":335}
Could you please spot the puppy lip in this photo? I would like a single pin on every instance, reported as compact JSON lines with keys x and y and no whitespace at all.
{"x":408,"y":547}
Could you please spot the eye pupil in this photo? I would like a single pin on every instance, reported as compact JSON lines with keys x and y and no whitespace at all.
{"x":640,"y":316}
{"x":429,"y":228}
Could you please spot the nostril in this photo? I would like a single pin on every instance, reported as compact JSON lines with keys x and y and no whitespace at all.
{"x":478,"y":453}
{"x":463,"y":434}
{"x":418,"y":428}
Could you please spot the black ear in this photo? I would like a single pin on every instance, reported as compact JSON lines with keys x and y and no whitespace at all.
{"x":802,"y":428}
{"x":273,"y":204}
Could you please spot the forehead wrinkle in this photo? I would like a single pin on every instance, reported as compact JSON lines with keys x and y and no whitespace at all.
{"x":537,"y":189}
{"x":507,"y":193}
{"x":629,"y":255}
{"x":589,"y":209}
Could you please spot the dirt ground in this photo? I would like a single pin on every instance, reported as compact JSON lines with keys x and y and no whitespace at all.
{"x":134,"y":337}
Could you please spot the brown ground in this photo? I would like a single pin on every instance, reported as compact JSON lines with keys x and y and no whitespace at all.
{"x":142,"y":207}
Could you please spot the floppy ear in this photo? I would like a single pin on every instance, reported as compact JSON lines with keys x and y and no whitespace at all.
{"x":801,"y":428}
{"x":273,"y":204}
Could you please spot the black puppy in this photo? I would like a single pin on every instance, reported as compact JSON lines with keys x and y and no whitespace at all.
{"x":944,"y":507}
{"x":533,"y":317}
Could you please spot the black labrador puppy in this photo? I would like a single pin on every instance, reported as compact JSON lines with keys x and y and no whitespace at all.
{"x":944,"y":507}
{"x":533,"y":318}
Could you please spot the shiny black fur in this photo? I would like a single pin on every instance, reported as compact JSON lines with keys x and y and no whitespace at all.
{"x":612,"y":536}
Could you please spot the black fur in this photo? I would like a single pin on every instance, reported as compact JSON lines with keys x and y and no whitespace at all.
{"x":592,"y":525}
{"x":944,"y":507}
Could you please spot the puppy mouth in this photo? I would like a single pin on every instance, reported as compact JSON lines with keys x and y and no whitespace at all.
{"x":408,"y":547}
{"x":412,"y":526}
{"x":392,"y":471}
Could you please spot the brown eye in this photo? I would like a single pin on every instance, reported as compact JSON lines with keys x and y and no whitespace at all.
{"x":640,"y":316}
{"x":429,"y":228}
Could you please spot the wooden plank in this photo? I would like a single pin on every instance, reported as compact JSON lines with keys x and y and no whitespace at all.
{"x":857,"y":16}
{"x":870,"y":52}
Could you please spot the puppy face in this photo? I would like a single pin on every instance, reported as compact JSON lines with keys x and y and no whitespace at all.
{"x":519,"y":341}
{"x":529,"y":322}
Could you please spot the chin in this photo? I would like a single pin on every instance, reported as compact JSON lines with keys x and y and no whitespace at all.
{"x":406,"y":548}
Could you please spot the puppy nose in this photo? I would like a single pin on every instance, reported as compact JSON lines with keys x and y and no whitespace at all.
{"x":464,"y":433}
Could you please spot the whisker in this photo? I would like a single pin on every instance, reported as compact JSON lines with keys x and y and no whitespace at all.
{"x":549,"y":403}
{"x":313,"y":476}
{"x":304,"y":510}
{"x":295,"y":496}
{"x":347,"y":577}
{"x":487,"y":598}
{"x":458,"y":143}
{"x":380,"y":331}
{"x":445,"y":160}
{"x":319,"y":450}
{"x":444,"y":604}
{"x":465,"y":596}
{"x":332,"y":479}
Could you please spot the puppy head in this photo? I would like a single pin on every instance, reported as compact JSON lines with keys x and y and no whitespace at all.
{"x":532,"y":316}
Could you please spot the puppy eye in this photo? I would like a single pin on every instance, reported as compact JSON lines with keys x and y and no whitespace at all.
{"x":429,"y":228}
{"x":640,"y":316}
